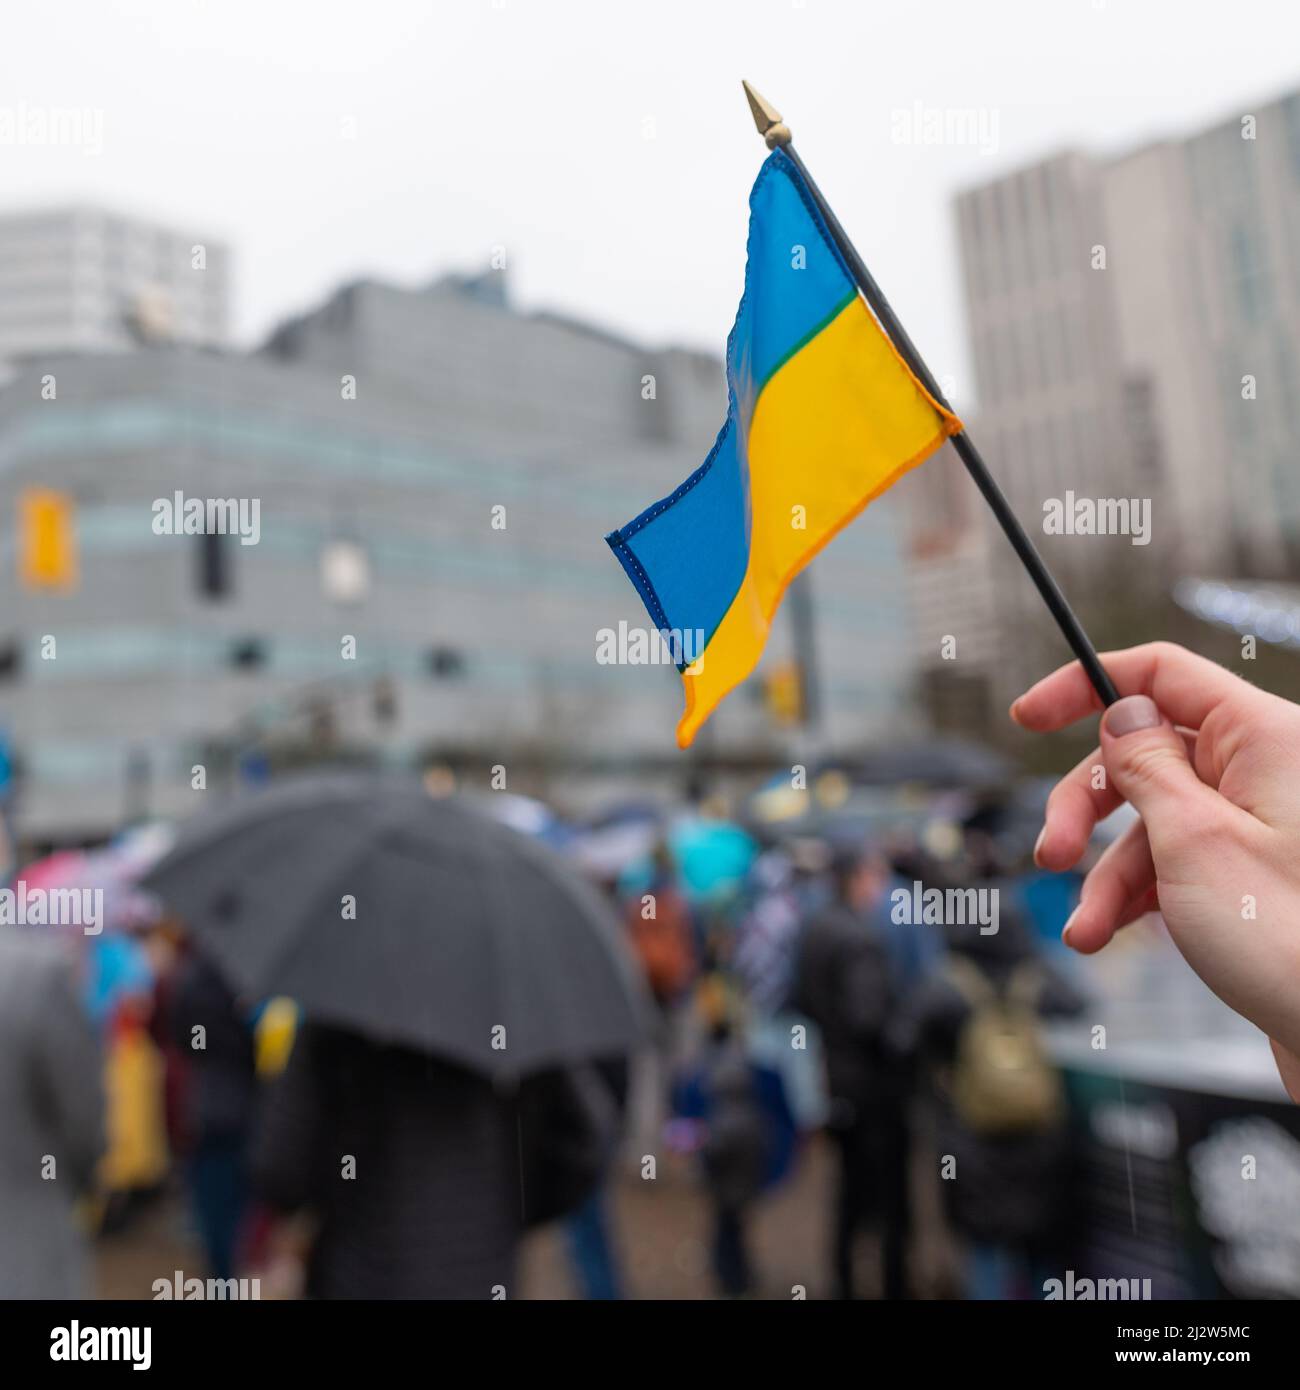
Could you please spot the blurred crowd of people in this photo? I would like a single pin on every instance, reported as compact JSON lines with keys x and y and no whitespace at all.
{"x":794,"y":995}
{"x":804,"y":994}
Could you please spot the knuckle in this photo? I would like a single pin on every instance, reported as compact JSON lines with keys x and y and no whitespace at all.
{"x":1154,"y":763}
{"x":1163,"y":650}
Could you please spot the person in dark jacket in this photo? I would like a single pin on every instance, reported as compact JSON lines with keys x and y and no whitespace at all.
{"x":842,"y":982}
{"x":212,"y":1033}
{"x":1007,"y":1195}
{"x":420,"y":1175}
{"x":745,"y":1135}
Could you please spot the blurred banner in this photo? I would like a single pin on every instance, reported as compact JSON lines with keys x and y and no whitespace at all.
{"x":1169,"y":1191}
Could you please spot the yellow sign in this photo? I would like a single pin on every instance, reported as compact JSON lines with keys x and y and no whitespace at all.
{"x":47,"y":540}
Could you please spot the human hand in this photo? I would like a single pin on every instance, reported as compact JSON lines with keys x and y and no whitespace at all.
{"x":1212,"y":765}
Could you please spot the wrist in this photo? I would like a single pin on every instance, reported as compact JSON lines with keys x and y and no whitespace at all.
{"x":1288,"y":1066}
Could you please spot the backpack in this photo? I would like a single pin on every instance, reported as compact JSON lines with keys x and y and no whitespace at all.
{"x":663,"y":944}
{"x":736,"y":1147}
{"x":1002,"y":1082}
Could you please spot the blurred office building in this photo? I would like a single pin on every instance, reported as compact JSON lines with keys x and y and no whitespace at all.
{"x":951,"y":598}
{"x":1135,"y":329}
{"x":80,"y":279}
{"x":413,"y":570}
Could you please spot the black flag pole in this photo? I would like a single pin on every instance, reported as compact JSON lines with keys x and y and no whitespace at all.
{"x":777,"y":135}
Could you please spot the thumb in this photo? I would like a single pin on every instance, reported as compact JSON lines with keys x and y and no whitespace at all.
{"x":1146,"y":760}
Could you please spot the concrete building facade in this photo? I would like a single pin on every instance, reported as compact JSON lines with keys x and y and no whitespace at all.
{"x":81,"y":279}
{"x":1135,"y":329}
{"x":434,"y":473}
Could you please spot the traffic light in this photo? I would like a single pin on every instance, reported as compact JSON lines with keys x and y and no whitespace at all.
{"x":213,"y":565}
{"x":784,"y":691}
{"x":47,"y":539}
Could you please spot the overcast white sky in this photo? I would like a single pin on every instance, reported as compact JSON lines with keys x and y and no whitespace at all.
{"x":523,"y":123}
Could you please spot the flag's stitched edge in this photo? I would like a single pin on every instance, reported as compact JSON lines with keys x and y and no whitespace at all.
{"x":640,"y":580}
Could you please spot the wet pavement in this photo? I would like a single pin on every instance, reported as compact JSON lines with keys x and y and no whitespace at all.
{"x":662,"y":1231}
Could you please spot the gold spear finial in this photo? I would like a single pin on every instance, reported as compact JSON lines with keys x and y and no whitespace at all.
{"x":767,"y":118}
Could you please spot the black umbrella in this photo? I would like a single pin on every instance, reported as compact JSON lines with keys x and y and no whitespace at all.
{"x":410,"y":919}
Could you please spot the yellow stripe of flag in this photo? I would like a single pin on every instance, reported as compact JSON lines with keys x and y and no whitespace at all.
{"x":835,"y":426}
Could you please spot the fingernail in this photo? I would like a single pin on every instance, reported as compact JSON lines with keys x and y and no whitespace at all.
{"x":1065,"y":933}
{"x":1012,"y":710}
{"x":1038,"y":843}
{"x":1129,"y":715}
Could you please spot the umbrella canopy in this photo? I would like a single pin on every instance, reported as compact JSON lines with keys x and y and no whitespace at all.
{"x":713,"y":856}
{"x":409,"y":919}
{"x":526,"y":815}
{"x":111,"y":872}
{"x":62,"y":869}
{"x":607,"y":852}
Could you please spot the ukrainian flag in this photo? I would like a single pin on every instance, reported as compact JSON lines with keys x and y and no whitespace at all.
{"x":823,"y":416}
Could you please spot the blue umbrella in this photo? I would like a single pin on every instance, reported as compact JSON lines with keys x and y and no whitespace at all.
{"x":712,"y":856}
